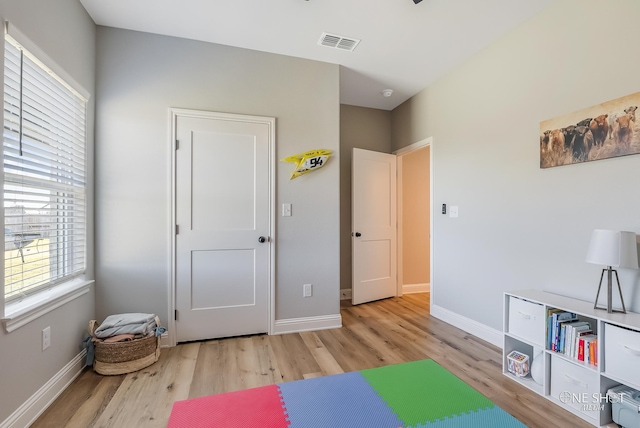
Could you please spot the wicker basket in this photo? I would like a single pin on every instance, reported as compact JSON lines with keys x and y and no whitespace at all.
{"x":124,"y":357}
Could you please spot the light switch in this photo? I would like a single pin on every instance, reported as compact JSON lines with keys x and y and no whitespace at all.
{"x":286,"y":210}
{"x":453,"y":211}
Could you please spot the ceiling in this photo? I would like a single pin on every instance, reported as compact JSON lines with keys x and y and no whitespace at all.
{"x":404,"y":46}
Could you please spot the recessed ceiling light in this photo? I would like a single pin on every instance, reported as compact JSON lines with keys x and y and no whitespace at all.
{"x":387,"y":93}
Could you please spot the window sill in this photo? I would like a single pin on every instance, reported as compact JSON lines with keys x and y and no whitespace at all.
{"x":17,"y":314}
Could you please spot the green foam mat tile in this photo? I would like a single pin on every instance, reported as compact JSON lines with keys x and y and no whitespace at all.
{"x":423,"y":391}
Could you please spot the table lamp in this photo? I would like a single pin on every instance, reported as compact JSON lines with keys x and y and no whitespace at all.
{"x":612,"y":248}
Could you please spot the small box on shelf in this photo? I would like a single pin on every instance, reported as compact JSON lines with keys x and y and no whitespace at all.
{"x":518,"y":363}
{"x":625,"y":405}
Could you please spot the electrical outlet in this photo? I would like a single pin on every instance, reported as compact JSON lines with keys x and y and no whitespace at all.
{"x":46,"y":338}
{"x":307,"y":290}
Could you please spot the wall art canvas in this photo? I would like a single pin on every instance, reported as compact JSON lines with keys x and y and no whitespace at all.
{"x":603,"y":131}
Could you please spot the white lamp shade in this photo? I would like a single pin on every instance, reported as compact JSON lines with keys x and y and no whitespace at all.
{"x":613,"y":248}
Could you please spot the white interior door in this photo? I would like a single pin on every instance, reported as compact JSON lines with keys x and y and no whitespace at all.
{"x":222,"y":211}
{"x":373,"y":196}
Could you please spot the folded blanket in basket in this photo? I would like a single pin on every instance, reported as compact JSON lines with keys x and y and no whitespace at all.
{"x":135,"y":323}
{"x":119,"y":338}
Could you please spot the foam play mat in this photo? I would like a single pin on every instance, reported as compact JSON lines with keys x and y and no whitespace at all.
{"x":419,"y":394}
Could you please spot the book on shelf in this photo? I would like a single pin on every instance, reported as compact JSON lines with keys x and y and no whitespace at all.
{"x":557,"y":319}
{"x":566,"y":328}
{"x":583,"y":346}
{"x":579,"y":335}
{"x":593,"y":352}
{"x":563,"y":330}
{"x":550,"y":313}
{"x":571,"y":330}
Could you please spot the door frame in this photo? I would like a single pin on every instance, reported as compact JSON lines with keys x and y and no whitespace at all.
{"x":174,"y":114}
{"x":399,"y":254}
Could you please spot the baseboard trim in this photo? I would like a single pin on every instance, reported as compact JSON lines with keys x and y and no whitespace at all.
{"x":31,"y":409}
{"x":482,"y":331}
{"x":416,"y":288}
{"x":345,"y":294}
{"x":296,"y":325}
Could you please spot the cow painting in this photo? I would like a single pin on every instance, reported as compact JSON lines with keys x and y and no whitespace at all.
{"x":600,"y":132}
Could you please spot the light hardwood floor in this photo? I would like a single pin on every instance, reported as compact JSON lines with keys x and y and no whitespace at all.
{"x":386,"y":332}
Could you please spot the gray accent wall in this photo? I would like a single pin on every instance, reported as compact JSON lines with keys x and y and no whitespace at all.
{"x":520,"y":226}
{"x":140,"y":77}
{"x":362,"y":128}
{"x":66,"y":33}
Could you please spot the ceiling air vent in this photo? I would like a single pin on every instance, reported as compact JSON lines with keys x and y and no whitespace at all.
{"x":338,"y":42}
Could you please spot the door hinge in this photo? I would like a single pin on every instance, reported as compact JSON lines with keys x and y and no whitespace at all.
{"x":177,"y":229}
{"x":175,"y":315}
{"x":177,"y":144}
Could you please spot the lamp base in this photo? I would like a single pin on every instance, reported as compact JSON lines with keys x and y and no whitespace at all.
{"x":609,"y":308}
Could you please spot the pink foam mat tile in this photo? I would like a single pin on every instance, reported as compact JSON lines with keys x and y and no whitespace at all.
{"x":253,"y":408}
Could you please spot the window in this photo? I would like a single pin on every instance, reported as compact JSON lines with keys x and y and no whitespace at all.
{"x":44,"y":176}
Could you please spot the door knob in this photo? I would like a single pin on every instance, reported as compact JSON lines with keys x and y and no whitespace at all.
{"x":357,"y":234}
{"x":262,"y":239}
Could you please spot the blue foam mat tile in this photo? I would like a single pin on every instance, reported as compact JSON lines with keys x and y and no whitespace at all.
{"x":344,"y":400}
{"x":491,"y":417}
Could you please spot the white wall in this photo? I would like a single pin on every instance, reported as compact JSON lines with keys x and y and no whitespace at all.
{"x":64,"y":31}
{"x":139,"y":77}
{"x":520,"y":226}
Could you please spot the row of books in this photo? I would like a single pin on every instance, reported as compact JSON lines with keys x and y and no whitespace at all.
{"x":567,"y":335}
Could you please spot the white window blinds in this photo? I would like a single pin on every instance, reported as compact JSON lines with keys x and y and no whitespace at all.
{"x":44,"y":176}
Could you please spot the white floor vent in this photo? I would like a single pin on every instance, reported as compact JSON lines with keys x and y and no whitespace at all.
{"x":338,"y":42}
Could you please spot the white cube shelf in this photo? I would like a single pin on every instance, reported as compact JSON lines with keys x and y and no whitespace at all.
{"x":575,"y":385}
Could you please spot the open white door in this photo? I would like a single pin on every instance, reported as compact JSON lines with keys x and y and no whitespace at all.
{"x":373,"y":199}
